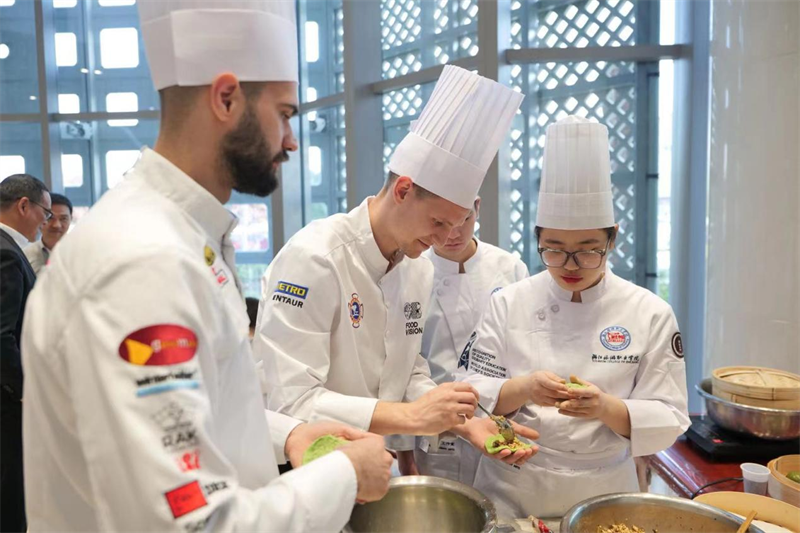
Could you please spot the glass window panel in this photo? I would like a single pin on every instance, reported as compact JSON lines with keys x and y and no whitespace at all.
{"x":71,"y":170}
{"x":18,"y":67}
{"x":66,"y":49}
{"x":119,"y":48}
{"x":7,"y":3}
{"x":417,"y":34}
{"x":400,"y":107}
{"x":121,"y":102}
{"x":21,"y":149}
{"x":321,"y":48}
{"x":324,"y":162}
{"x":250,"y":277}
{"x":62,"y":4}
{"x":116,"y":3}
{"x":252,"y":232}
{"x":69,"y":103}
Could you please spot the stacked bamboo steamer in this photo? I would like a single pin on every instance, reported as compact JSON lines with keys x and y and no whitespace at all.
{"x":757,"y":386}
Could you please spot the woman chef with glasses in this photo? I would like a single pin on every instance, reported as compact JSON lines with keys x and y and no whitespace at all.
{"x":619,"y":341}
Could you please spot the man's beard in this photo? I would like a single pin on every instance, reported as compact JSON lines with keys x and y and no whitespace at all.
{"x":248,"y":157}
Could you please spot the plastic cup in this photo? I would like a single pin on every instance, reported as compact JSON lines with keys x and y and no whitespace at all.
{"x":755,"y":478}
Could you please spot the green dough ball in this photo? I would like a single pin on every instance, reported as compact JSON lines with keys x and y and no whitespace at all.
{"x":794,"y":475}
{"x":322,"y":446}
{"x":496,"y":443}
{"x":576,"y":386}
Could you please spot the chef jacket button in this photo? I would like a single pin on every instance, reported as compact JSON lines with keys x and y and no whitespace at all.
{"x":447,"y":283}
{"x":541,"y":316}
{"x":439,"y":292}
{"x":555,"y":308}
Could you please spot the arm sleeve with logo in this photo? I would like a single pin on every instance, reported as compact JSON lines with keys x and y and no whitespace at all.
{"x":482,"y":364}
{"x":294,"y":342}
{"x":131,"y":441}
{"x":658,"y":403}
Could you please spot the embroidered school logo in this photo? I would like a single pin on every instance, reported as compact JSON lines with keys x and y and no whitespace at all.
{"x":615,"y":338}
{"x":163,"y":344}
{"x":356,"y":310}
{"x":412,"y":310}
{"x":463,"y":360}
{"x":677,"y":345}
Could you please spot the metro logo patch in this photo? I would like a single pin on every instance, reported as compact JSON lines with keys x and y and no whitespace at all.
{"x":159,"y":345}
{"x":292,"y":290}
{"x":185,"y":499}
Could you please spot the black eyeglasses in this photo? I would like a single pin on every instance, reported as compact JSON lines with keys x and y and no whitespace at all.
{"x":47,"y":213}
{"x":558,"y":258}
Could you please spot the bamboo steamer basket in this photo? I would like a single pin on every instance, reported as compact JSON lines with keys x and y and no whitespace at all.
{"x":757,"y":386}
{"x":780,"y":487}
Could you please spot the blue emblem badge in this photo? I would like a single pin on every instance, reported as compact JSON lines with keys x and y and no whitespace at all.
{"x":356,"y":310}
{"x":615,"y":338}
{"x":463,"y":360}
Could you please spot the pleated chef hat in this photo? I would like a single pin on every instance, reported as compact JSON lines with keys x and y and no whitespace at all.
{"x":451,"y":145}
{"x":190,"y":42}
{"x":575,"y":191}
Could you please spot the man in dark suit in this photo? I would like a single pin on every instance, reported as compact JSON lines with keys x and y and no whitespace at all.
{"x":24,"y":207}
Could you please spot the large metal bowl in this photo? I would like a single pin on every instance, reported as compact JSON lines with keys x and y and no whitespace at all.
{"x":418,"y":504}
{"x":772,"y":424}
{"x":650,"y":512}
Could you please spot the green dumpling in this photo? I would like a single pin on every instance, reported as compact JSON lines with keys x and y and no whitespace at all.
{"x":322,"y":446}
{"x":794,"y":475}
{"x":576,"y":386}
{"x":496,"y":443}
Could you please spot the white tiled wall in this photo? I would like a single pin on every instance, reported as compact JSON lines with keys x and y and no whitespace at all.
{"x":753,"y":290}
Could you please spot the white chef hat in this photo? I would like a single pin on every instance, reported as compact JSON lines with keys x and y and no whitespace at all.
{"x":190,"y":42}
{"x":449,"y":149}
{"x":575,"y":191}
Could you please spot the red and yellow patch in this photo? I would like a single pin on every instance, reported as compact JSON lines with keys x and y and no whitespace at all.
{"x":159,"y":345}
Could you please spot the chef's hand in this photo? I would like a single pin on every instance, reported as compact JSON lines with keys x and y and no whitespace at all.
{"x":373,"y":465}
{"x":546,"y":389}
{"x":406,"y":463}
{"x":477,"y":430}
{"x":589,"y":402}
{"x":442,"y":408}
{"x":303,"y":435}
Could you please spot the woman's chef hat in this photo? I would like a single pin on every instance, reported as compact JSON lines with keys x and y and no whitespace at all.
{"x":449,"y":149}
{"x":575,"y":191}
{"x":190,"y":42}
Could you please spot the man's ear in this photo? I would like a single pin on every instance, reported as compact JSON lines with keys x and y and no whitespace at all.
{"x":226,"y":98}
{"x":401,"y":189}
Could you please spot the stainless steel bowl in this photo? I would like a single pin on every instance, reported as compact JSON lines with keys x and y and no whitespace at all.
{"x":419,"y":504}
{"x":772,"y":424}
{"x":650,"y":512}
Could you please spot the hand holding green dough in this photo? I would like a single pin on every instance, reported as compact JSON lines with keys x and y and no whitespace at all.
{"x":322,"y":446}
{"x":576,"y":386}
{"x":495,"y":443}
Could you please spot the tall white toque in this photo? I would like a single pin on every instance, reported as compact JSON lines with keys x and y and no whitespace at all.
{"x":450,"y":147}
{"x":575,"y":191}
{"x":190,"y":42}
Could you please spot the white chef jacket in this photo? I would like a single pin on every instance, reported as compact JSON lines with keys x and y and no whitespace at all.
{"x":335,"y":331}
{"x":457,"y":303}
{"x":622,"y":338}
{"x":37,"y":254}
{"x":142,"y":404}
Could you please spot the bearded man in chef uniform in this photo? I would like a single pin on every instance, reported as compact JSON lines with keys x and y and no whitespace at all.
{"x":143,"y":410}
{"x":577,"y":318}
{"x":344,"y":303}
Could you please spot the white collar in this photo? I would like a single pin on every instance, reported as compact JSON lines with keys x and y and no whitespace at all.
{"x":21,"y":240}
{"x":366,"y":243}
{"x":170,"y":181}
{"x":446,"y":266}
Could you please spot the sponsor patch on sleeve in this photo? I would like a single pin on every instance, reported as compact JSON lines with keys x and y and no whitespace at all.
{"x":185,"y":499}
{"x":159,"y":345}
{"x":290,"y":289}
{"x":677,"y":345}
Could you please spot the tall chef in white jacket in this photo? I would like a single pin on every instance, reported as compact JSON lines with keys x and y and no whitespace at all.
{"x":143,"y":410}
{"x":344,"y":303}
{"x":466,"y":272}
{"x":577,"y":318}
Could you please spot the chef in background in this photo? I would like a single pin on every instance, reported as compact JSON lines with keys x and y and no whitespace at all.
{"x":345,"y":301}
{"x":577,"y":318}
{"x":466,"y":272}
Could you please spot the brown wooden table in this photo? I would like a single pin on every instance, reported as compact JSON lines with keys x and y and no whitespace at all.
{"x":686,"y":468}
